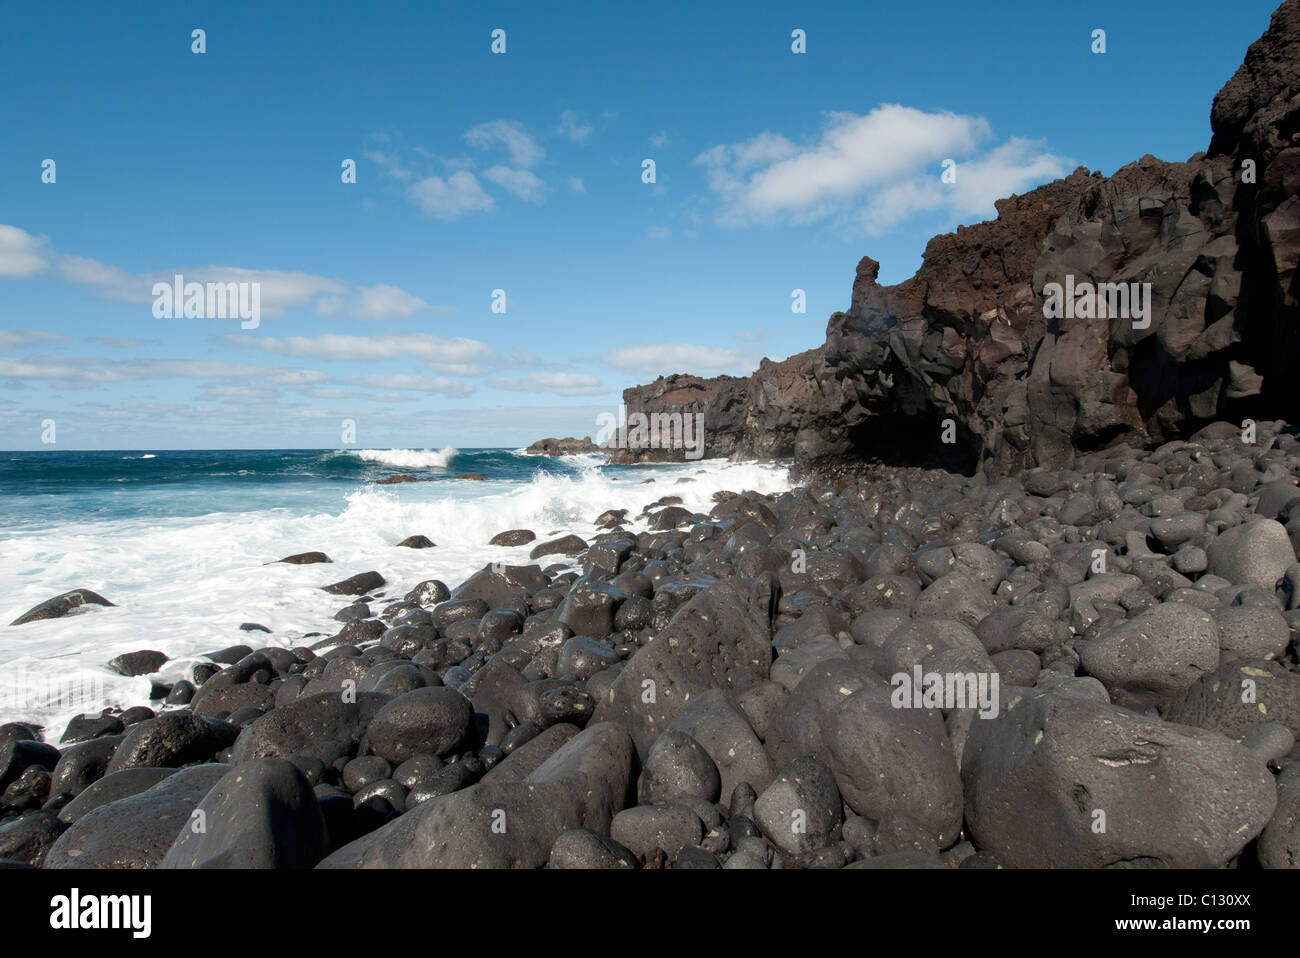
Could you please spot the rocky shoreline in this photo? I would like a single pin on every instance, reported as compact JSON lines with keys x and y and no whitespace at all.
{"x":723,"y":691}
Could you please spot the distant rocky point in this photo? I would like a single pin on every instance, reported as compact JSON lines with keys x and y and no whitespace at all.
{"x":568,"y":446}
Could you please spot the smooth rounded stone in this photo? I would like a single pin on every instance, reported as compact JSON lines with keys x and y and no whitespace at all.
{"x":135,"y":831}
{"x":874,"y":626}
{"x":324,"y":726}
{"x":1190,"y":560}
{"x":860,"y":834}
{"x":886,"y":760}
{"x":1276,"y":499}
{"x":182,"y":693}
{"x":1153,"y":658}
{"x":1239,"y":695}
{"x":898,"y":833}
{"x":305,"y":558}
{"x":28,"y":732}
{"x":763,"y":703}
{"x":16,"y":757}
{"x":566,"y":704}
{"x":1016,"y":667}
{"x":143,"y":662}
{"x":1270,"y":741}
{"x":720,"y":640}
{"x":520,"y":734}
{"x":793,"y":664}
{"x":417,"y":542}
{"x":677,"y":765}
{"x":211,"y":701}
{"x":83,"y":728}
{"x":135,"y":715}
{"x":497,"y":627}
{"x":80,"y":765}
{"x":429,"y":593}
{"x":76,"y":601}
{"x":513,"y":537}
{"x":449,"y":779}
{"x":752,"y":855}
{"x":644,"y":828}
{"x":565,"y":545}
{"x":382,"y":792}
{"x":1247,"y":633}
{"x":1256,"y":553}
{"x":926,"y":642}
{"x":582,"y":657}
{"x":364,"y":770}
{"x":110,"y":788}
{"x":29,"y":838}
{"x":261,"y":814}
{"x":459,"y":610}
{"x":584,"y":848}
{"x":456,"y":676}
{"x":801,"y":807}
{"x":1171,"y":532}
{"x":583,"y":784}
{"x":357,"y":610}
{"x":1279,"y":843}
{"x":892,"y":591}
{"x":28,"y":790}
{"x":428,"y":720}
{"x":359,"y":584}
{"x":1173,"y":796}
{"x":417,"y":770}
{"x":955,"y":596}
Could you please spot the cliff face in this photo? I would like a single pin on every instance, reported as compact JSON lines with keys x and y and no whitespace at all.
{"x":974,"y":336}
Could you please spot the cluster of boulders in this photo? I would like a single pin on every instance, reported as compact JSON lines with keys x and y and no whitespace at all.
{"x":701,"y":691}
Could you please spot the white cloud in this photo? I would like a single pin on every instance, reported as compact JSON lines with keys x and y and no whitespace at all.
{"x":562,"y":384}
{"x":872,"y":171}
{"x":572,"y":127}
{"x":383,"y":302}
{"x":451,"y":198}
{"x":421,"y":346}
{"x":523,"y":149}
{"x":659,"y":232}
{"x":22,"y":338}
{"x":658,"y":359}
{"x":21,"y":253}
{"x":577,"y":186}
{"x":83,"y":371}
{"x":430,"y":384}
{"x":520,"y":183}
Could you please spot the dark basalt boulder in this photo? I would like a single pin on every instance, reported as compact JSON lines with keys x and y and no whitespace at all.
{"x":69,"y":602}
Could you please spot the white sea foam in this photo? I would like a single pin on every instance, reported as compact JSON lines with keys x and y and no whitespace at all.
{"x":408,"y":458}
{"x":183,"y":586}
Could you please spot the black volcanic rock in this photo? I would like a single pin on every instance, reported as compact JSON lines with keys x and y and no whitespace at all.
{"x":61,"y":605}
{"x":968,"y":338}
{"x":563,"y":447}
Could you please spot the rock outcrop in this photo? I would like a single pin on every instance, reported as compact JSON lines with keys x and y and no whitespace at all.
{"x":975,"y":337}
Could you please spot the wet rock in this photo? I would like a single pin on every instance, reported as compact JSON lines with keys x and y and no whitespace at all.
{"x":261,"y":814}
{"x":78,"y":600}
{"x":513,"y":537}
{"x":424,"y":721}
{"x":359,"y":584}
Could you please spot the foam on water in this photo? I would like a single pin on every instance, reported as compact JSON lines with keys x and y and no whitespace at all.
{"x":408,"y":458}
{"x":183,"y":585}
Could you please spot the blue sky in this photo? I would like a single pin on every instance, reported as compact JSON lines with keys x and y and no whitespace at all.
{"x":521,"y":172}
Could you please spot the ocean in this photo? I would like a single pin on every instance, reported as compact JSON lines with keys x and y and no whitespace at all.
{"x":181,"y":542}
